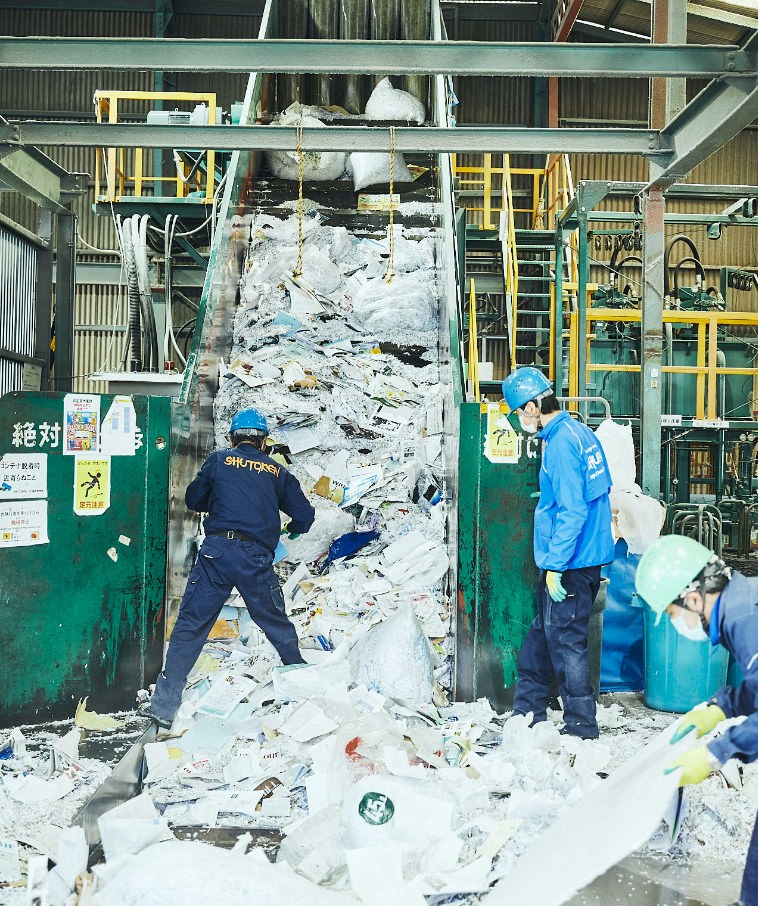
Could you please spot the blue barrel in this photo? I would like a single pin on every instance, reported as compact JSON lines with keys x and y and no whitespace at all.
{"x":679,"y":674}
{"x":734,"y":675}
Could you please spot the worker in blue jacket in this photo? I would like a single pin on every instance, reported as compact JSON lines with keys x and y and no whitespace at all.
{"x":572,"y":541}
{"x":708,"y":602}
{"x":242,"y":490}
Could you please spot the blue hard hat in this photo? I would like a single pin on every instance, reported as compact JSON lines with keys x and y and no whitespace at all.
{"x":248,"y":420}
{"x":524,"y":384}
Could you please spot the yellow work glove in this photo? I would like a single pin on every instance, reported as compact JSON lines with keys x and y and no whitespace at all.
{"x":696,"y":765}
{"x":554,"y":586}
{"x":702,"y":719}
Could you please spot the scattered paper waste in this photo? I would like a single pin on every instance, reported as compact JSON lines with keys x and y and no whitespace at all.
{"x":91,"y":720}
{"x":131,"y":826}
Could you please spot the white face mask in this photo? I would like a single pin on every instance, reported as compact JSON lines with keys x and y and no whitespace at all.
{"x":528,"y":423}
{"x":693,"y":633}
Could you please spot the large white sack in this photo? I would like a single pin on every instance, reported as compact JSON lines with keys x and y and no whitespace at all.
{"x":317,"y":165}
{"x":395,"y":659}
{"x":371,"y":168}
{"x":618,"y":446}
{"x":639,"y":518}
{"x":327,"y":526}
{"x":388,"y":103}
{"x":405,"y":303}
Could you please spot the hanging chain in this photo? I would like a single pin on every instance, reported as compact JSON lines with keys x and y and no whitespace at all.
{"x":390,"y":272}
{"x":297,"y":272}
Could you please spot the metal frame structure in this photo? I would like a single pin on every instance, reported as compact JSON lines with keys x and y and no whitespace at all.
{"x":32,"y":173}
{"x":333,"y":57}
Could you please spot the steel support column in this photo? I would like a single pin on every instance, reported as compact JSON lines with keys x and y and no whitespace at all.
{"x":44,"y":297}
{"x":65,"y":300}
{"x":581,"y":300}
{"x":667,"y":96}
{"x":653,"y":207}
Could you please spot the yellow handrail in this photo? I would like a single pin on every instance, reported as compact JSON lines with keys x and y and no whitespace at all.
{"x":473,"y":345}
{"x":510,"y":256}
{"x":112,"y":179}
{"x":707,"y":370}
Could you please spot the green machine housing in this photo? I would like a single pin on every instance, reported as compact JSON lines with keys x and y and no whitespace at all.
{"x":83,"y":611}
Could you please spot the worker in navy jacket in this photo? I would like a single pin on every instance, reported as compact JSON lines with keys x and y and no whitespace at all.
{"x":572,"y":541}
{"x":708,"y":602}
{"x":242,"y":490}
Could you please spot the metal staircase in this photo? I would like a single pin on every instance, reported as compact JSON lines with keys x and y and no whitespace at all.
{"x":530,"y":338}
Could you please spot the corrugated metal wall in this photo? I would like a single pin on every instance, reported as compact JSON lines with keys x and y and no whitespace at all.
{"x":482,"y":100}
{"x":18,"y":294}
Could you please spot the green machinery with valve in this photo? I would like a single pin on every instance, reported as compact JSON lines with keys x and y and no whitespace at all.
{"x":83,"y":510}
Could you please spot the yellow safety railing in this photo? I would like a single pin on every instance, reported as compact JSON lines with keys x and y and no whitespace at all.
{"x":120,"y":172}
{"x":473,"y":344}
{"x":706,"y":370}
{"x":510,"y":255}
{"x":552,"y":188}
{"x":493,"y":197}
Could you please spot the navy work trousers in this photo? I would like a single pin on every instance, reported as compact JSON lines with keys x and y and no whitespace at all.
{"x":556,"y":647}
{"x":222,"y":564}
{"x":749,"y":892}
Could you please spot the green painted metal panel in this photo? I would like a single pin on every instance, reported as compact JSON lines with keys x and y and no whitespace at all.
{"x":75,"y":621}
{"x":497,"y":577}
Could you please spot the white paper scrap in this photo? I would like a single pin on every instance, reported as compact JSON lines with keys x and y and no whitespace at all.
{"x":10,"y":868}
{"x":308,"y":722}
{"x":587,"y":839}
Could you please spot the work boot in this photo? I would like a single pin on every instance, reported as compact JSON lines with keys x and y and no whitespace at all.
{"x":581,"y":734}
{"x":146,"y":710}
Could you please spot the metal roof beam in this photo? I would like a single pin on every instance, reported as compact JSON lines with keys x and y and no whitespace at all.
{"x":26,"y":171}
{"x":338,"y":138}
{"x":719,"y":113}
{"x":360,"y":57}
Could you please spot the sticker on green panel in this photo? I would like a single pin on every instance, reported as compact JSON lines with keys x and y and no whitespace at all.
{"x":502,"y":444}
{"x":23,"y":523}
{"x":92,"y":485}
{"x":81,"y":414}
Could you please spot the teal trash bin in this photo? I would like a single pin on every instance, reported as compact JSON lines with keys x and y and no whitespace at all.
{"x":734,"y":675}
{"x":679,"y":674}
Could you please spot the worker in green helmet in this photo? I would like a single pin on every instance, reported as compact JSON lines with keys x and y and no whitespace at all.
{"x":708,"y":602}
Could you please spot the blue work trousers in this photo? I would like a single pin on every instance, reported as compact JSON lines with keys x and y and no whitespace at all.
{"x":222,"y":564}
{"x":749,"y":892}
{"x":556,"y":648}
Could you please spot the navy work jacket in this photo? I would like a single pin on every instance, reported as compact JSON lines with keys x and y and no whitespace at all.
{"x":572,"y":522}
{"x":738,"y":633}
{"x":243,"y":490}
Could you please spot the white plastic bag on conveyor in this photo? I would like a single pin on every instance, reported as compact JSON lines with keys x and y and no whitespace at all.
{"x":371,"y":168}
{"x":395,"y":658}
{"x":388,"y":103}
{"x":328,"y":526}
{"x":406,"y":303}
{"x":317,"y":165}
{"x":618,"y":446}
{"x":321,"y":274}
{"x":639,"y":518}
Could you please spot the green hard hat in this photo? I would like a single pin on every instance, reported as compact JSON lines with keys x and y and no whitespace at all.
{"x":667,"y":568}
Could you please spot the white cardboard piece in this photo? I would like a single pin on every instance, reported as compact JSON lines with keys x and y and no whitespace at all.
{"x":590,"y":838}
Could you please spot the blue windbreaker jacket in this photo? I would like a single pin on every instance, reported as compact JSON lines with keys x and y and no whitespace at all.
{"x":243,"y":489}
{"x":572,"y":522}
{"x":738,"y":633}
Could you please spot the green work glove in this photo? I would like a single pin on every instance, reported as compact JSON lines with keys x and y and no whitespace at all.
{"x":702,"y":719}
{"x":554,"y":586}
{"x":293,"y":535}
{"x":696,"y":765}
